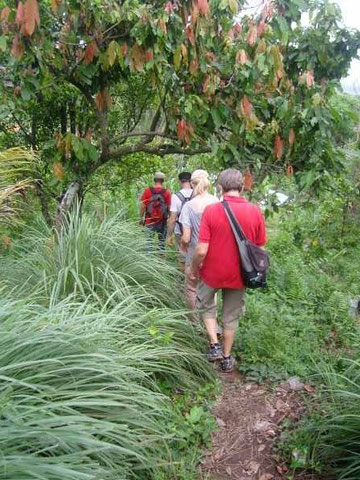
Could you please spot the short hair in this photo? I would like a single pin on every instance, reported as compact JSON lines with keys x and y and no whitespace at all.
{"x":159,"y":180}
{"x":231,"y":179}
{"x":185,"y":177}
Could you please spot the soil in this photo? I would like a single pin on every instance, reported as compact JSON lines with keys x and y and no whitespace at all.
{"x":249,"y":417}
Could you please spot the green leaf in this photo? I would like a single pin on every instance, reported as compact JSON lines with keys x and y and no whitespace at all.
{"x":3,"y":43}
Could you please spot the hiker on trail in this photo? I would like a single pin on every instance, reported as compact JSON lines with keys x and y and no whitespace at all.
{"x":155,"y":204}
{"x":216,"y":262}
{"x":190,"y":218}
{"x":178,"y":200}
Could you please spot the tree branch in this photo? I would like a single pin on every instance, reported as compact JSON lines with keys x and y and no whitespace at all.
{"x":142,"y":134}
{"x":161,"y":150}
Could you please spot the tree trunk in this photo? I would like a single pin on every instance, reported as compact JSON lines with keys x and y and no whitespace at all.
{"x":44,"y":203}
{"x":71,"y":195}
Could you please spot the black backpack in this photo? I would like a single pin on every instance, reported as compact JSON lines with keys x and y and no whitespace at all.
{"x":183,"y":200}
{"x":254,"y":261}
{"x":157,"y":207}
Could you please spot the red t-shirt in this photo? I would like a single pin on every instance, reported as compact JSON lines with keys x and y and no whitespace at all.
{"x":221,"y":266}
{"x":145,"y":198}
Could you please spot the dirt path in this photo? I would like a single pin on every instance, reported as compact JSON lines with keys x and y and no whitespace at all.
{"x":249,"y":417}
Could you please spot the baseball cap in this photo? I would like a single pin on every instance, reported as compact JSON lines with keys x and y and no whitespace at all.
{"x":159,"y":176}
{"x":185,"y":177}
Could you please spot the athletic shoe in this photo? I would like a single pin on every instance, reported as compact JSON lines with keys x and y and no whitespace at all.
{"x":227,"y":364}
{"x":215,"y":352}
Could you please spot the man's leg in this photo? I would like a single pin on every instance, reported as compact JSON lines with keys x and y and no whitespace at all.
{"x":233,"y":308}
{"x":149,"y":233}
{"x":162,"y":237}
{"x":206,"y":302}
{"x":191,"y":290}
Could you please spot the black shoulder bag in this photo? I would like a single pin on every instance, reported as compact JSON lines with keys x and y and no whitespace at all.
{"x":254,"y":261}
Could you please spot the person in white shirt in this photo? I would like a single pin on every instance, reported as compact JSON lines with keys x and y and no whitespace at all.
{"x":178,"y":200}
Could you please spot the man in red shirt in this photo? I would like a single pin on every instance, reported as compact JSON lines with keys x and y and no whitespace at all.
{"x":155,"y":204}
{"x":217,"y":262}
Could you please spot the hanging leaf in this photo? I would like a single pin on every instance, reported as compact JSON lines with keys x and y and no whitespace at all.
{"x":90,"y":51}
{"x":162,"y":25}
{"x":238,"y":28}
{"x":252,"y":36}
{"x":17,"y":48}
{"x":246,"y":107}
{"x":149,"y":55}
{"x":54,"y":5}
{"x":194,"y":67}
{"x":291,"y":137}
{"x":58,"y":170}
{"x":289,"y":171}
{"x":231,"y":35}
{"x":194,"y":15}
{"x":31,"y":17}
{"x":261,"y":28}
{"x":309,"y":77}
{"x":204,"y":8}
{"x":184,"y":131}
{"x":190,"y":35}
{"x":88,"y":135}
{"x":184,"y":53}
{"x":124,"y":49}
{"x":278,"y":147}
{"x":4,"y":16}
{"x":241,"y":57}
{"x":248,"y":180}
{"x":261,"y":47}
{"x":137,"y":56}
{"x":112,"y":52}
{"x":20,"y":13}
{"x":277,"y":57}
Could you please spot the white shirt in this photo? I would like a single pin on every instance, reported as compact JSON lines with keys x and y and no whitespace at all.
{"x":176,"y":205}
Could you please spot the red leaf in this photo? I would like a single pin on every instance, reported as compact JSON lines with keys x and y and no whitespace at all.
{"x":184,"y":131}
{"x":168,"y":8}
{"x":190,"y":35}
{"x":194,"y":67}
{"x":238,"y":28}
{"x":194,"y":15}
{"x":149,"y":55}
{"x":138,"y":58}
{"x":231,"y":34}
{"x":4,"y":16}
{"x":210,"y":56}
{"x":261,"y":28}
{"x":206,"y":84}
{"x":241,"y":57}
{"x":248,"y":180}
{"x":204,"y":7}
{"x":90,"y":52}
{"x":291,"y":137}
{"x":17,"y":48}
{"x":309,"y":75}
{"x":278,"y":147}
{"x":20,"y":13}
{"x":124,"y":49}
{"x":268,"y":11}
{"x":246,"y":107}
{"x":289,"y":171}
{"x":58,"y":170}
{"x":31,"y":17}
{"x":252,"y":36}
{"x":103,"y":100}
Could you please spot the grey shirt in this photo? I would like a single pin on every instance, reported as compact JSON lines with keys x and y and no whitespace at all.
{"x":176,"y":205}
{"x":191,"y":217}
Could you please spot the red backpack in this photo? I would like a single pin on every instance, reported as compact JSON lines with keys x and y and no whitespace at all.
{"x":157,"y":208}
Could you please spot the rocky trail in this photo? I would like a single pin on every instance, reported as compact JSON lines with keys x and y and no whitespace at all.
{"x":250,"y":418}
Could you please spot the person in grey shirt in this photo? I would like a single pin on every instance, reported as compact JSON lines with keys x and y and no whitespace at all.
{"x":178,"y":200}
{"x":190,"y":219}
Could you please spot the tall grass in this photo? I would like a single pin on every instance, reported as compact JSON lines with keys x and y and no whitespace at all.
{"x":92,"y":329}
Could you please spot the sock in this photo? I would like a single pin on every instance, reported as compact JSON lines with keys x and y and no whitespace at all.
{"x":214,"y":345}
{"x":225,"y":357}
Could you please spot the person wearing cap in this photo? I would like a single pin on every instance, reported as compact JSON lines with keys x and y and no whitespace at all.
{"x":216,"y":262}
{"x":154,"y":210}
{"x":178,"y":200}
{"x":190,"y":219}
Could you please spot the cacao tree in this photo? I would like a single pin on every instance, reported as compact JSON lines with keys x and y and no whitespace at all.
{"x":90,"y":83}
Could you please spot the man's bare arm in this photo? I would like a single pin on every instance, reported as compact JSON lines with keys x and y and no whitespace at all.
{"x":199,"y":256}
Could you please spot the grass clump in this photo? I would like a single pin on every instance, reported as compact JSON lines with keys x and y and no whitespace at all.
{"x":92,"y":351}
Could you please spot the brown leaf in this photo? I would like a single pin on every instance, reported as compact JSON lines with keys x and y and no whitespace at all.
{"x":149,"y":55}
{"x":124,"y":49}
{"x":88,"y":135}
{"x":6,"y":240}
{"x":137,"y":55}
{"x":184,"y":131}
{"x":262,"y":46}
{"x":20,"y":14}
{"x":238,"y":28}
{"x":194,"y":66}
{"x":103,"y":100}
{"x":278,"y":147}
{"x":54,"y":5}
{"x":291,"y":137}
{"x":204,"y":8}
{"x":248,"y":180}
{"x":17,"y":48}
{"x":261,"y":28}
{"x":241,"y":57}
{"x":309,"y":76}
{"x":4,"y":15}
{"x":266,"y":476}
{"x":231,"y":35}
{"x":309,"y":388}
{"x":246,"y":107}
{"x":228,"y":471}
{"x":31,"y":17}
{"x":252,"y":36}
{"x":194,"y":15}
{"x":90,"y":52}
{"x":162,"y":25}
{"x":58,"y":170}
{"x":190,"y":35}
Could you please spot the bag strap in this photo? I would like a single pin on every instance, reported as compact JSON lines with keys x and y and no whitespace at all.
{"x":235,"y":225}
